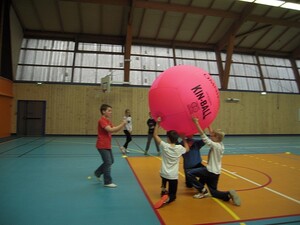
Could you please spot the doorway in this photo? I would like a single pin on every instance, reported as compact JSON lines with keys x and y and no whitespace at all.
{"x":31,"y":117}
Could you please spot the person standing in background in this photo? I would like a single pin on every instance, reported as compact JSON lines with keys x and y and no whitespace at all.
{"x":151,"y":125}
{"x":127,"y":131}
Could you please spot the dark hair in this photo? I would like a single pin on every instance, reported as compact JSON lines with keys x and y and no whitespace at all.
{"x":173,"y":136}
{"x":104,"y":107}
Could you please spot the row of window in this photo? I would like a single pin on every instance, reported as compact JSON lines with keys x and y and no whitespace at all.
{"x":70,"y":62}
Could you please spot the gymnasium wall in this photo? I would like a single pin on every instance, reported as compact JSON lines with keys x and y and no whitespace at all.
{"x":6,"y":100}
{"x":74,"y":109}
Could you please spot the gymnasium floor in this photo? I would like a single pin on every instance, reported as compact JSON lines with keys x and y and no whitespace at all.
{"x":44,"y":181}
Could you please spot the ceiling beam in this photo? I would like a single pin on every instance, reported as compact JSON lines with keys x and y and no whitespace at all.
{"x":232,"y":31}
{"x":102,"y":2}
{"x":253,"y":31}
{"x":193,"y":10}
{"x":214,"y":12}
{"x":128,"y":43}
{"x":229,"y":52}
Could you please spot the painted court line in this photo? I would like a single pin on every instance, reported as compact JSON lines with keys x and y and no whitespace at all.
{"x":269,"y":189}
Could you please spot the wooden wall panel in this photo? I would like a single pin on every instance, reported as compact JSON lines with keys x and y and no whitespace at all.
{"x":6,"y":99}
{"x":74,"y":109}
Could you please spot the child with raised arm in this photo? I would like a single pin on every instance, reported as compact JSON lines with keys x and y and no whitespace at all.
{"x":209,"y":175}
{"x":171,"y":153}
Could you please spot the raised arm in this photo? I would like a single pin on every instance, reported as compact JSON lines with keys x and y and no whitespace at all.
{"x":195,"y":119}
{"x":155,"y":133}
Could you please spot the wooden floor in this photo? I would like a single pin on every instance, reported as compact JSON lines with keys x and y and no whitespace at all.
{"x":44,"y":180}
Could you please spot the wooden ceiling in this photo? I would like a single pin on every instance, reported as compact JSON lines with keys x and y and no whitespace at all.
{"x":199,"y":24}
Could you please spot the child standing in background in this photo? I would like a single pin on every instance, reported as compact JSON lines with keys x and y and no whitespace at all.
{"x":127,"y":131}
{"x":151,"y":125}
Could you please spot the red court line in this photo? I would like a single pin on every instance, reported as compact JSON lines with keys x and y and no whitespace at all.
{"x":147,"y":196}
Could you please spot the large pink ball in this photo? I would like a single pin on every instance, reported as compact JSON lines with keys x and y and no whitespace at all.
{"x":181,"y":92}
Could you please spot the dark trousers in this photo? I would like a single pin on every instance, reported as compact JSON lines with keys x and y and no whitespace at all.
{"x":128,"y":138}
{"x":172,"y":188}
{"x":149,"y":138}
{"x":188,"y":182}
{"x":208,"y":178}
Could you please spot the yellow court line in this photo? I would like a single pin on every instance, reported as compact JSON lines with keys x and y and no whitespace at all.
{"x":228,"y":174}
{"x":228,"y":210}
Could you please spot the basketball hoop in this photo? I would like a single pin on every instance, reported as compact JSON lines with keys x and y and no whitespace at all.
{"x":105,"y":83}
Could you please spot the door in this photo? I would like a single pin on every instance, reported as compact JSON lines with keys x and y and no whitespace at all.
{"x":31,"y":118}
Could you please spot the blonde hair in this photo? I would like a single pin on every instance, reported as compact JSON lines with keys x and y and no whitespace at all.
{"x":219,"y":134}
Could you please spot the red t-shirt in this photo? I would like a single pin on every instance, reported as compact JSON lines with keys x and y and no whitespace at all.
{"x":104,"y":137}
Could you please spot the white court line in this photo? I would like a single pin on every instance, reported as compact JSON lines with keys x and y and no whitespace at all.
{"x":269,"y":189}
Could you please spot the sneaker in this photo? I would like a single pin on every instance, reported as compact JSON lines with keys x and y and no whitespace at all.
{"x":123,"y":150}
{"x":111,"y":185}
{"x":164,"y":199}
{"x":201,"y":194}
{"x":127,"y":151}
{"x":235,"y":198}
{"x":146,"y":153}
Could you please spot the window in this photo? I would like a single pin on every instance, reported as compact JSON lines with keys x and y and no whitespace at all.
{"x":278,"y":75}
{"x":70,"y":62}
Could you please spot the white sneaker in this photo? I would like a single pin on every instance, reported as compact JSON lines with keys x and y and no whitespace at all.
{"x":127,"y":151}
{"x":123,"y":150}
{"x":111,"y":185}
{"x":235,"y":198}
{"x":201,"y":194}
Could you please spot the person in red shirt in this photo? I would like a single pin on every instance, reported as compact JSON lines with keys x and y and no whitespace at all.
{"x":105,"y":129}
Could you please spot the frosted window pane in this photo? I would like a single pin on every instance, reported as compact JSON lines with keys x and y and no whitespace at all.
{"x":104,"y":60}
{"x":89,"y":46}
{"x":211,"y":55}
{"x":163,"y":52}
{"x":237,"y":58}
{"x":200,"y":55}
{"x":148,"y":63}
{"x":204,"y":65}
{"x":136,"y":63}
{"x":248,"y":59}
{"x":117,"y":61}
{"x":135,"y":49}
{"x":188,"y":54}
{"x":118,"y":76}
{"x":217,"y":81}
{"x":147,"y":50}
{"x":251,"y":70}
{"x":164,"y":63}
{"x":85,"y":75}
{"x":60,"y":74}
{"x":135,"y":78}
{"x":232,"y":83}
{"x":213,"y":68}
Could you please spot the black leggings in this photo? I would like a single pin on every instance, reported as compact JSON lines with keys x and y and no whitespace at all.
{"x":172,"y":188}
{"x":128,"y":138}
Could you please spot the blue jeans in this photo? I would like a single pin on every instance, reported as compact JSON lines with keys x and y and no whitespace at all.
{"x":105,"y":167}
{"x":208,"y":178}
